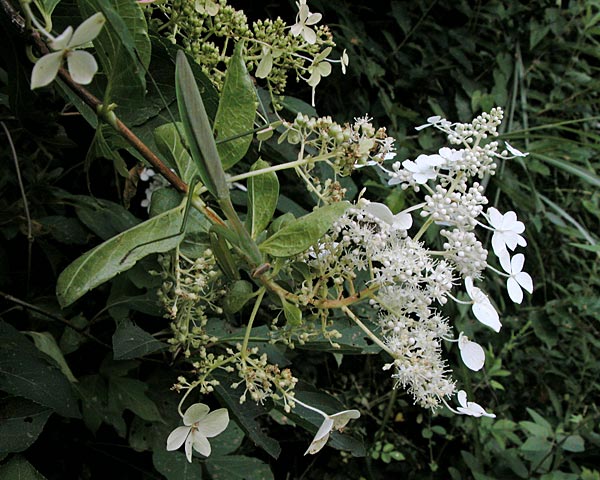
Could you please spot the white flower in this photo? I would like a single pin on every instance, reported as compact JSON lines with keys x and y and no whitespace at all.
{"x":471,"y":353}
{"x":482,"y":308}
{"x":337,"y":421}
{"x":430,"y":121}
{"x":146,"y":174}
{"x":517,"y":277}
{"x":507,"y":230}
{"x":514,"y":151}
{"x":344,"y":61}
{"x":82,"y":65}
{"x":199,"y":427}
{"x":423,"y":168}
{"x":208,"y":7}
{"x":304,"y":19}
{"x":450,"y":155}
{"x":400,"y":221}
{"x":471,"y":408}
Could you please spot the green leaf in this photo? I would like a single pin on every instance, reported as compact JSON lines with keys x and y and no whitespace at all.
{"x":305,"y":231}
{"x":292,"y":314}
{"x":174,"y":466}
{"x":228,"y":441}
{"x":237,"y":109}
{"x":245,"y":414}
{"x":584,"y":174}
{"x":238,"y":295}
{"x":238,"y":467}
{"x":93,"y":391}
{"x":46,"y":343}
{"x":168,"y":141}
{"x":26,"y":372}
{"x":263,"y":194}
{"x":21,"y":422}
{"x":102,"y":217}
{"x":123,"y":39}
{"x":17,"y":468}
{"x":131,"y":394}
{"x":574,"y":443}
{"x":130,"y":341}
{"x":198,"y":131}
{"x":118,"y":255}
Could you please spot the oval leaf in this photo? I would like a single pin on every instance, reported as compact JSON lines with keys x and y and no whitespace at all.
{"x":300,"y":234}
{"x":263,"y":193}
{"x":237,"y":109}
{"x":168,"y":141}
{"x":118,"y":255}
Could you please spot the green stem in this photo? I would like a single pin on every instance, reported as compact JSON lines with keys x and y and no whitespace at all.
{"x":365,"y":329}
{"x":257,"y":303}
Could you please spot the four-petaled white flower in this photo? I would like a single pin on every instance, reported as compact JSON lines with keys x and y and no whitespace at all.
{"x":423,"y":168}
{"x":208,"y":7}
{"x":337,"y":421}
{"x":400,"y":221}
{"x":482,"y":308}
{"x":507,"y":230}
{"x":517,"y":277}
{"x":430,"y":121}
{"x":82,"y":65}
{"x":471,"y":408}
{"x":199,"y":427}
{"x":304,"y":20}
{"x":471,"y":353}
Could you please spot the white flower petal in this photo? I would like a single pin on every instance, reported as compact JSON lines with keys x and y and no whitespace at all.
{"x":188,"y":448}
{"x":525,"y":281}
{"x":88,"y":30}
{"x":82,"y":66}
{"x":462,"y":398}
{"x":309,"y":35}
{"x":434,"y":119}
{"x":61,"y":42}
{"x":324,"y":429}
{"x":200,"y":444}
{"x":514,"y":290}
{"x":317,"y":445}
{"x":45,"y":69}
{"x":504,"y":258}
{"x":313,"y":19}
{"x":296,"y":29}
{"x":380,"y":210}
{"x":495,"y":217}
{"x":486,"y":314}
{"x":341,"y":419}
{"x":177,"y":437}
{"x":517,"y":262}
{"x":402,"y":221}
{"x":514,"y":151}
{"x":195,"y":413}
{"x":214,"y":423}
{"x":265,"y":66}
{"x":471,"y":354}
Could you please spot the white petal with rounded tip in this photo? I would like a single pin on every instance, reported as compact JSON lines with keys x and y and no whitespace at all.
{"x":188,"y":448}
{"x":514,"y":151}
{"x":514,"y":290}
{"x":462,"y":398}
{"x":324,"y":429}
{"x":381,"y":211}
{"x":214,"y":423}
{"x":341,"y":419}
{"x":525,"y":281}
{"x":88,"y":30}
{"x":517,"y":262}
{"x":45,"y":69}
{"x":195,"y":413}
{"x":61,"y":42}
{"x":317,"y":445}
{"x":177,"y":437}
{"x":495,"y":217}
{"x":309,"y":35}
{"x":471,"y":354}
{"x":82,"y":66}
{"x":201,"y":444}
{"x":313,"y":18}
{"x":486,"y":314}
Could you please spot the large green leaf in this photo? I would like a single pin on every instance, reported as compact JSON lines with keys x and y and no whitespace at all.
{"x":21,"y":422}
{"x":26,"y":372}
{"x":300,"y":234}
{"x":174,"y":466}
{"x":129,"y":393}
{"x":237,"y":109}
{"x":118,"y":255}
{"x":168,"y":140}
{"x":197,"y":129}
{"x":263,"y":193}
{"x":238,"y":467}
{"x":17,"y":468}
{"x":130,"y":341}
{"x":46,"y":343}
{"x":121,"y":42}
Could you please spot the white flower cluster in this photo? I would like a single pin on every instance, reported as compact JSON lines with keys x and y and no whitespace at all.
{"x":407,"y":281}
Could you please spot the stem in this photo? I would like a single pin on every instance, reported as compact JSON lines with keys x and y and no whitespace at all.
{"x":251,"y":321}
{"x":25,"y":204}
{"x":365,"y":329}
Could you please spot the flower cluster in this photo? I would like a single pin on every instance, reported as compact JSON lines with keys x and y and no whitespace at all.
{"x":273,"y":48}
